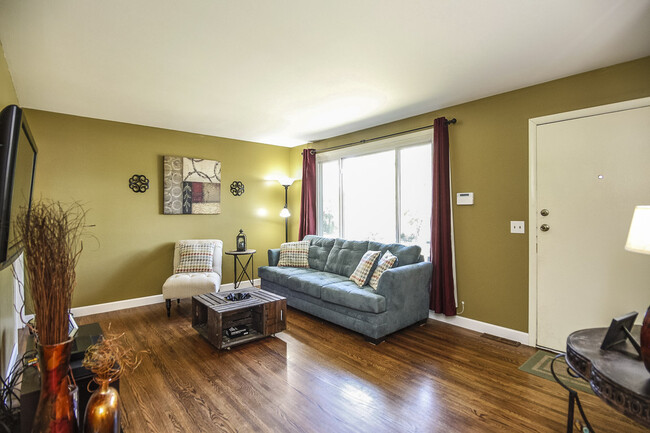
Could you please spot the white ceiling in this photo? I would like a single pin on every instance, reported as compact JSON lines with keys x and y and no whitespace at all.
{"x":287,"y":72}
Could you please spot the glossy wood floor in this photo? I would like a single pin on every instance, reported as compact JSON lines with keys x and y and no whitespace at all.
{"x":318,"y":377}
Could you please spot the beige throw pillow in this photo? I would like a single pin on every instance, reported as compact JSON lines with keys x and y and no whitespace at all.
{"x":386,"y":262}
{"x":360,"y":274}
{"x":195,"y":258}
{"x":294,"y":254}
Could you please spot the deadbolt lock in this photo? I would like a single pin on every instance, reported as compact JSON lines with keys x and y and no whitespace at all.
{"x":544,"y":212}
{"x":545,"y":227}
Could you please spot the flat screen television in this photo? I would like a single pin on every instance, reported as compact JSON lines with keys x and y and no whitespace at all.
{"x":17,"y":164}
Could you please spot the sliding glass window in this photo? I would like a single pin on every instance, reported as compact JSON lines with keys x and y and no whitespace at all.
{"x":378,"y":191}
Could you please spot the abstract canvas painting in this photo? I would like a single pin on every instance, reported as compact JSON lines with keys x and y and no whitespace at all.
{"x":191,"y":186}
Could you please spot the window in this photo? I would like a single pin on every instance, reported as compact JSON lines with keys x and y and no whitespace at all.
{"x":368,"y":189}
{"x":329,"y":199}
{"x":416,"y":195}
{"x":379,"y":191}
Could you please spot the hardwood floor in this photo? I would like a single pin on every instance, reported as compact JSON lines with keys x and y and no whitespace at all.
{"x":318,"y":377}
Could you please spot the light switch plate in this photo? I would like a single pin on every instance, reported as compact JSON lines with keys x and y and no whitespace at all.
{"x":517,"y":227}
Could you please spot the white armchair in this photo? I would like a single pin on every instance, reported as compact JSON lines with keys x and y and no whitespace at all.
{"x":188,"y":284}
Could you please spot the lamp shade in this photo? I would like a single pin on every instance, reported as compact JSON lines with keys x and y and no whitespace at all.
{"x":284,"y":213}
{"x":285,"y":181}
{"x":638,"y":240}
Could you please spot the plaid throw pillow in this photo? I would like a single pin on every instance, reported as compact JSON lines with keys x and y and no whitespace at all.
{"x":294,"y":254}
{"x":360,"y":274}
{"x":386,"y":262}
{"x":195,"y":258}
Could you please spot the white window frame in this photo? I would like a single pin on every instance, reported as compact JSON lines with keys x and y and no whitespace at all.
{"x":393,"y":143}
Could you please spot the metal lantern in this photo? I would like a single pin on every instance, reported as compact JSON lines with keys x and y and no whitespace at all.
{"x":241,"y":241}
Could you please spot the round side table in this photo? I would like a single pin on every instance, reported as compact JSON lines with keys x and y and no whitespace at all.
{"x":244,"y":266}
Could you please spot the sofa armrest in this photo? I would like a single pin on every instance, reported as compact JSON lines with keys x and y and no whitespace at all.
{"x":274,"y":256}
{"x":406,"y":286}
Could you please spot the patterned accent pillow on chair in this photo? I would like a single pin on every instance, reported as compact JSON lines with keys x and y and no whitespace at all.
{"x":195,"y":258}
{"x":294,"y":254}
{"x":386,"y":262}
{"x":360,"y":274}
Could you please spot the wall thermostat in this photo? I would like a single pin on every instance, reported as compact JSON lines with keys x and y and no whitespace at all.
{"x":464,"y":198}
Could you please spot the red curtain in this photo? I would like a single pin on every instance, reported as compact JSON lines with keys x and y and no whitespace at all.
{"x":308,"y":197}
{"x":443,"y":299}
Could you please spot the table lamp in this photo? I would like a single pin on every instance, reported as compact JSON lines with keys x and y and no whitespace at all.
{"x":638,"y":241}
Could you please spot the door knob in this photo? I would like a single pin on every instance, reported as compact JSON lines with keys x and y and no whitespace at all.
{"x":545,"y":227}
{"x":544,"y":212}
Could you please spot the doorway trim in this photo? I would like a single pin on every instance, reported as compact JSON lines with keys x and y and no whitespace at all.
{"x":532,"y":192}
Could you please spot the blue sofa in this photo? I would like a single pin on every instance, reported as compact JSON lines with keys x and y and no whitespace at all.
{"x":325,"y":290}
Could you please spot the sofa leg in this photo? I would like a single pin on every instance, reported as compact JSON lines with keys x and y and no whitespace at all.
{"x":178,"y":302}
{"x":374,"y":341}
{"x":421,"y":322}
{"x":168,"y":303}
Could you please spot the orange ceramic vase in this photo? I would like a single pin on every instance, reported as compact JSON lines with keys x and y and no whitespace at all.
{"x":645,"y":340}
{"x":57,"y":406}
{"x":103,"y":410}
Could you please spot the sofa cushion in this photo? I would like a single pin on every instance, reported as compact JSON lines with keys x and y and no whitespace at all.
{"x":348,"y":294}
{"x":294,"y":254}
{"x":280,"y":275}
{"x":319,"y":249}
{"x":345,"y":256}
{"x":185,"y":285}
{"x":311,"y":283}
{"x":362,"y":272}
{"x":406,"y":254}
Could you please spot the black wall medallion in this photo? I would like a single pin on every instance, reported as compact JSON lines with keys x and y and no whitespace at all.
{"x":237,"y":188}
{"x":139,"y":183}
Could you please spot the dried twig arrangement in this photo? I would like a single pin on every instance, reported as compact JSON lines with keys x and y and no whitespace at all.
{"x":109,"y":358}
{"x":51,"y":236}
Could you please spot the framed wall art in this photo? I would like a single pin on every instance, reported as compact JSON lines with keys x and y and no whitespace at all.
{"x":191,"y":186}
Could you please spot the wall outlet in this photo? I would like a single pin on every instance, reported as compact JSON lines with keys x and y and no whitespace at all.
{"x":517,"y":227}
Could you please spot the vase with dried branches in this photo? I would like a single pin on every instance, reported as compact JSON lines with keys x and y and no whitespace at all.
{"x":108,"y":360}
{"x":51,"y":237}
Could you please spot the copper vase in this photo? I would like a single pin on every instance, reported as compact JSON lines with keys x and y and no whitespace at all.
{"x":103,"y":410}
{"x":57,"y":406}
{"x":645,"y":340}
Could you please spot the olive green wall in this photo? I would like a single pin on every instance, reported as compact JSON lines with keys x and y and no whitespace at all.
{"x":129,"y":254}
{"x":489,"y":156}
{"x":7,"y":91}
{"x":7,"y":326}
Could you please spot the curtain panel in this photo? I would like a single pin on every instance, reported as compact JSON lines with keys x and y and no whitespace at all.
{"x":308,"y":195}
{"x":443,"y":299}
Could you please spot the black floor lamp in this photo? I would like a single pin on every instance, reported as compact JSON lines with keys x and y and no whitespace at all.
{"x":284,"y":213}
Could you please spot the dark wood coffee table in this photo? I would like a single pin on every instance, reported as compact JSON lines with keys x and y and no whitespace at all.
{"x":263,"y":314}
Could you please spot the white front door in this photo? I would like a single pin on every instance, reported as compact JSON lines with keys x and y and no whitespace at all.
{"x":591,"y":172}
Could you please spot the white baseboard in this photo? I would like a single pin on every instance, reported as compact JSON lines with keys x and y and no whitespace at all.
{"x":488,"y":328}
{"x":137,"y":302}
{"x":116,"y":305}
{"x":242,"y":285}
